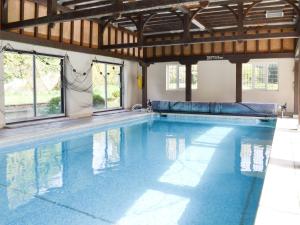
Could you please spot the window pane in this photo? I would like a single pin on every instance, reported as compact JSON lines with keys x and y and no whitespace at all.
{"x":247,"y":76}
{"x":98,"y":76}
{"x":194,"y":76}
{"x":18,"y":86}
{"x":171,"y":77}
{"x":273,"y":77}
{"x":260,"y":75}
{"x":48,"y":85}
{"x":113,"y":86}
{"x":181,"y":76}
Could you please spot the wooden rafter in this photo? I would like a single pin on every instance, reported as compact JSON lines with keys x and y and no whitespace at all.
{"x":242,"y":37}
{"x":100,"y":11}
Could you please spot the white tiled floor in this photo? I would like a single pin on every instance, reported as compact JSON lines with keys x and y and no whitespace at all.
{"x":45,"y":129}
{"x":280,"y":199}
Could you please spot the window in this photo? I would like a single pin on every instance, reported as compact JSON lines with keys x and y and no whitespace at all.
{"x":107,"y":86}
{"x":175,"y":78}
{"x":32,"y":86}
{"x":260,"y":76}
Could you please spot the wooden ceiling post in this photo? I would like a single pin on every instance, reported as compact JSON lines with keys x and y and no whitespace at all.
{"x":3,"y":12}
{"x":238,"y":83}
{"x":298,"y":87}
{"x":51,"y":11}
{"x":296,"y":74}
{"x":144,"y":84}
{"x":188,"y":82}
{"x":239,"y":77}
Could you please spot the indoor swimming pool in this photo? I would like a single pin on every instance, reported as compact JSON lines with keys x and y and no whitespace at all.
{"x":155,"y":171}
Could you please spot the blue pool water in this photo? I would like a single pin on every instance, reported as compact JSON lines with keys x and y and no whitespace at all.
{"x":154,"y":172}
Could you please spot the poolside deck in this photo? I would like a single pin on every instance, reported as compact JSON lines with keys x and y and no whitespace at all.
{"x":47,"y":128}
{"x":280,"y":199}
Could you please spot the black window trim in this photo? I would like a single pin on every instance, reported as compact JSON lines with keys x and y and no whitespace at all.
{"x":63,"y":91}
{"x":121,"y":86}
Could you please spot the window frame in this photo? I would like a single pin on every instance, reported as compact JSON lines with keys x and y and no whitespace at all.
{"x":121,"y":87}
{"x":63,"y":91}
{"x":266,"y":78}
{"x":178,"y":88}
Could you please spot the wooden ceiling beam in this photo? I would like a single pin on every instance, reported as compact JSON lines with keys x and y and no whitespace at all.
{"x":93,"y":4}
{"x":242,"y":37}
{"x":131,"y":7}
{"x":74,"y":2}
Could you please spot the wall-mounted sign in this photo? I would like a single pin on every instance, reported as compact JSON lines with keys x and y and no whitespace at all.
{"x":214,"y":57}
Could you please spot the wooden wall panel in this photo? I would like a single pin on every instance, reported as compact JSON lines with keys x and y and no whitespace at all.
{"x":187,"y":50}
{"x":288,"y":44}
{"x":105,"y":36}
{"x":77,"y":32}
{"x":177,"y":48}
{"x":67,"y":32}
{"x":223,"y":48}
{"x":136,"y":50}
{"x":275,"y":44}
{"x":95,"y":35}
{"x":13,"y":12}
{"x":263,"y":44}
{"x":217,"y":46}
{"x":29,"y":14}
{"x":42,"y":29}
{"x":197,"y":47}
{"x":240,"y":46}
{"x":158,"y":52}
{"x":112,"y":36}
{"x":228,"y":45}
{"x":168,"y":49}
{"x":55,"y":32}
{"x":207,"y":46}
{"x":251,"y":45}
{"x":125,"y":38}
{"x":86,"y":33}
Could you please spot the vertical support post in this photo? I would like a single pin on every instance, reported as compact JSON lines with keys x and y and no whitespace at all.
{"x":186,"y":25}
{"x":296,"y":86}
{"x":140,"y":29}
{"x":145,"y":85}
{"x":101,"y":28}
{"x":51,"y":7}
{"x":2,"y":98}
{"x":51,"y":10}
{"x":239,"y":67}
{"x":298,"y":95}
{"x":3,"y":12}
{"x":188,"y":82}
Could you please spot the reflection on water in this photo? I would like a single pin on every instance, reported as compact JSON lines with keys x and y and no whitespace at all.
{"x":33,"y":171}
{"x":254,"y":155}
{"x":174,"y":147}
{"x":106,"y":150}
{"x":162,"y":173}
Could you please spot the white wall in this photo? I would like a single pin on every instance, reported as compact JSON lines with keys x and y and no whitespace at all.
{"x":216,"y":83}
{"x":79,"y":104}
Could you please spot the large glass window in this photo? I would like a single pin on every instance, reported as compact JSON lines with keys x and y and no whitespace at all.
{"x":107,"y":86}
{"x":260,"y":76}
{"x":32,"y":86}
{"x":175,"y":77}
